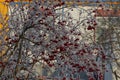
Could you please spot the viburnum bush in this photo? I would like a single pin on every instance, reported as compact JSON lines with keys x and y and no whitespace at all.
{"x":39,"y":33}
